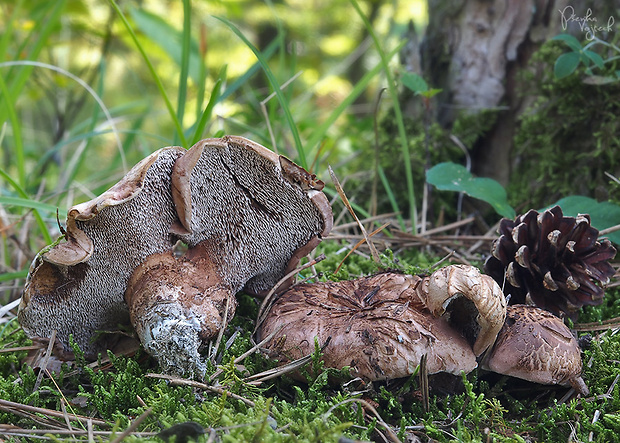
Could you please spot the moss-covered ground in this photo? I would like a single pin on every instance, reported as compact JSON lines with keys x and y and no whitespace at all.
{"x":477,"y":407}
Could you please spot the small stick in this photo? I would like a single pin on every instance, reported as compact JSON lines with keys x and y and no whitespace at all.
{"x":424,"y":383}
{"x":391,"y":434}
{"x":345,"y":200}
{"x":133,"y":426}
{"x":248,"y":353}
{"x":359,"y":243}
{"x":195,"y":384}
{"x":64,"y":411}
{"x":91,"y":435}
{"x":46,"y":359}
{"x":609,"y":230}
{"x":366,"y":220}
{"x":221,"y":333}
{"x":284,"y":369}
{"x":44,"y":411}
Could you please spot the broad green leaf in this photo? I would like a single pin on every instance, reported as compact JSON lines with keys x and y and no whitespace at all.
{"x":169,"y":39}
{"x":597,"y":59}
{"x":571,"y":41}
{"x":603,"y":215}
{"x":414,"y":82}
{"x":452,"y":177}
{"x":566,"y":64}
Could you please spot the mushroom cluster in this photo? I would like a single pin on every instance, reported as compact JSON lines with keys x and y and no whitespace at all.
{"x":381,"y":327}
{"x":246,"y":214}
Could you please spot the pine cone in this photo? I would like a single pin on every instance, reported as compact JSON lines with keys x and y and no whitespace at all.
{"x":556,"y":260}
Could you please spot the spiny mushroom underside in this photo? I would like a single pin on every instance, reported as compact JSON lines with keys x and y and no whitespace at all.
{"x":258,"y":218}
{"x":76,"y":286}
{"x":536,"y":345}
{"x":376,"y":325}
{"x":472,"y":302}
{"x":177,"y":305}
{"x":556,"y":261}
{"x":247,"y":215}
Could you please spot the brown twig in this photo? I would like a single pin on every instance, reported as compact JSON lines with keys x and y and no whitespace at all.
{"x":48,"y":412}
{"x":391,"y":434}
{"x":345,"y":200}
{"x":247,"y":353}
{"x":133,"y":426}
{"x":359,"y":243}
{"x":196,"y":384}
{"x":46,"y":360}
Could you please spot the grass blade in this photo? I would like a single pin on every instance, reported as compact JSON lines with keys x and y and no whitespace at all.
{"x":185,"y":52}
{"x":276,"y":87}
{"x":8,"y":276}
{"x":151,"y":69}
{"x":47,"y":24}
{"x":361,"y":85}
{"x":390,"y":195}
{"x":37,"y":216}
{"x":17,"y":134}
{"x":397,"y":113}
{"x":31,"y":204}
{"x":267,"y":53}
{"x":206,"y":115}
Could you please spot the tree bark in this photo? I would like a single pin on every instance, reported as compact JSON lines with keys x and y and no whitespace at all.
{"x":473,"y":50}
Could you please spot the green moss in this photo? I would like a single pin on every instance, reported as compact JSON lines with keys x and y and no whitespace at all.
{"x":486,"y":407}
{"x":568,"y":137}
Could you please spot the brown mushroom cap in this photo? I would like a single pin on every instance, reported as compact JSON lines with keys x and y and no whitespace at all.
{"x":76,"y":287}
{"x":536,"y":345}
{"x":378,"y":327}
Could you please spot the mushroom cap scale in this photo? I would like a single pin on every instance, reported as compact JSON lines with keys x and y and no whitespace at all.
{"x":536,"y":345}
{"x":378,"y":327}
{"x":82,"y":293}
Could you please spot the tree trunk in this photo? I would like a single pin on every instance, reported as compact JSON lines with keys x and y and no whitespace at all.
{"x":473,"y":50}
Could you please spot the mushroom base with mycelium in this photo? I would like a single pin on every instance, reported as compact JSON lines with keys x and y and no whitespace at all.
{"x":177,"y":305}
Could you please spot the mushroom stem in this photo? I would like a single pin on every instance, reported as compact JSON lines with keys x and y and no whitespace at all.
{"x":177,"y":305}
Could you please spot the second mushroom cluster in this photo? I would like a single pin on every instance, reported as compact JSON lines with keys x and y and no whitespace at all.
{"x":247,"y":216}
